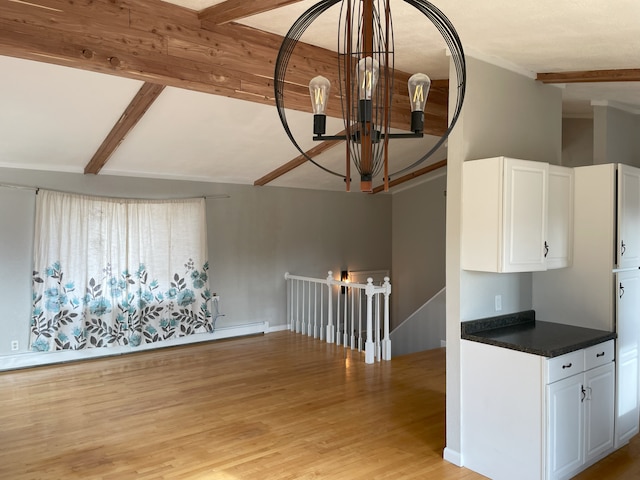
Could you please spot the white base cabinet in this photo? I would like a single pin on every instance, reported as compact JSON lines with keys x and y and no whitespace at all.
{"x":599,"y":410}
{"x":627,"y":402}
{"x":580,"y":420}
{"x":533,"y":418}
{"x":565,"y":422}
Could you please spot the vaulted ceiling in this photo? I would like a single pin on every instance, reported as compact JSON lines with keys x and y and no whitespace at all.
{"x":185,"y":89}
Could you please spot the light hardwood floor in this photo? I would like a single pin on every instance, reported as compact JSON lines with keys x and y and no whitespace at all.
{"x":280,"y":406}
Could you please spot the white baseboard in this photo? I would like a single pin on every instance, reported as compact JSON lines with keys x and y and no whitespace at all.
{"x":452,"y":456}
{"x":277,"y":328}
{"x":34,"y":359}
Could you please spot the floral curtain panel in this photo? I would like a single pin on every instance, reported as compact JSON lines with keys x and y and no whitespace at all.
{"x":118,"y":272}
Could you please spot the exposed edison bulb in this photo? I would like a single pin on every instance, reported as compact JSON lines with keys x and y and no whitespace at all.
{"x":319,"y":90}
{"x":419,"y":85}
{"x":368,"y":71}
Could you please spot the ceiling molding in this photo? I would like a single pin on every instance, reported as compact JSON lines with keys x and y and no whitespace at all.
{"x":498,"y":62}
{"x":619,"y":106}
{"x":141,"y":102}
{"x":233,"y":10}
{"x":591,"y":76}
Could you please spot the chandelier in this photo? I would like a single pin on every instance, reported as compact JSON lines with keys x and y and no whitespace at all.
{"x":366,"y":78}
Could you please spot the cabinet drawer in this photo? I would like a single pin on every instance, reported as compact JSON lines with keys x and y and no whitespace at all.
{"x":565,"y":365}
{"x":598,"y":355}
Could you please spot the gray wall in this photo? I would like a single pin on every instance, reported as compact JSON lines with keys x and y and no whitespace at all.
{"x":504,"y":114}
{"x":577,"y":142}
{"x":615,"y":137}
{"x":260,"y":233}
{"x":418,"y":246}
{"x":254,"y":236}
{"x":17,"y":208}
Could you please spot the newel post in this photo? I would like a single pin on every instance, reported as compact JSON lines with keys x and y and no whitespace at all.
{"x":386,"y":341}
{"x":289,"y":288}
{"x":369,"y":347}
{"x":330,"y":328}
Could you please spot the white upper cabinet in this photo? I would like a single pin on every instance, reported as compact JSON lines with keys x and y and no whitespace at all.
{"x":525,"y":210}
{"x":628,"y":245}
{"x":505,"y":212}
{"x":560,"y":217}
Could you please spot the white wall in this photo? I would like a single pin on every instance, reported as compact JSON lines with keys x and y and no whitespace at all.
{"x":504,"y":114}
{"x":254,"y":237}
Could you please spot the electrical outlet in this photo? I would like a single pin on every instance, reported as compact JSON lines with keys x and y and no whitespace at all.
{"x":14,"y":345}
{"x":498,"y":303}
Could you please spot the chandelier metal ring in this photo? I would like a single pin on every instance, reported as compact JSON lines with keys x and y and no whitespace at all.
{"x":437,"y":18}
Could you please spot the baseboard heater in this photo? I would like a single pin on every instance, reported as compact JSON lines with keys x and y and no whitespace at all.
{"x":34,"y":359}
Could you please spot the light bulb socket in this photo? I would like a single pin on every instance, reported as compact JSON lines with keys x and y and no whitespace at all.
{"x":417,"y":121}
{"x":365,"y":110}
{"x":366,"y":183}
{"x":319,"y":124}
{"x":344,"y":276}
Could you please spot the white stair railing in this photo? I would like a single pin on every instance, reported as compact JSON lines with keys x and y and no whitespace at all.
{"x":311,"y":312}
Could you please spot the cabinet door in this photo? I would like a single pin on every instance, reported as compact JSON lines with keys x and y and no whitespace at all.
{"x":559,"y":217}
{"x":627,"y":400}
{"x":628,"y":311}
{"x":525,"y":215}
{"x":565,"y":426}
{"x":481,"y":228}
{"x":599,"y":407}
{"x":628,"y":247}
{"x":627,"y":346}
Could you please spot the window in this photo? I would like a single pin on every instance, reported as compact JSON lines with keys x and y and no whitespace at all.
{"x":118,"y":272}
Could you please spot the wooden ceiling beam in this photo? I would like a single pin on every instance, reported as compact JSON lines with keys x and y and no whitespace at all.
{"x":591,"y":76}
{"x":162,"y":43}
{"x":233,"y":10}
{"x":412,"y":175}
{"x":147,"y":94}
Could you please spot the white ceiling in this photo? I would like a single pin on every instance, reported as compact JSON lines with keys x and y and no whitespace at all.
{"x":52,"y":119}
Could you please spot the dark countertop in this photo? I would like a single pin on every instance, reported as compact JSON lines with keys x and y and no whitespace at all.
{"x":521,"y":331}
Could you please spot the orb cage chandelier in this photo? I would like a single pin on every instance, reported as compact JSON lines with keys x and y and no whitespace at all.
{"x":366,"y":76}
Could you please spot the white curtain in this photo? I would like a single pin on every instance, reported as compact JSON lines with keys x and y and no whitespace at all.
{"x":118,"y":272}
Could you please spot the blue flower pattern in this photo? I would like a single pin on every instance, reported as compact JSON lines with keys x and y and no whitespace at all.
{"x":125,"y":309}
